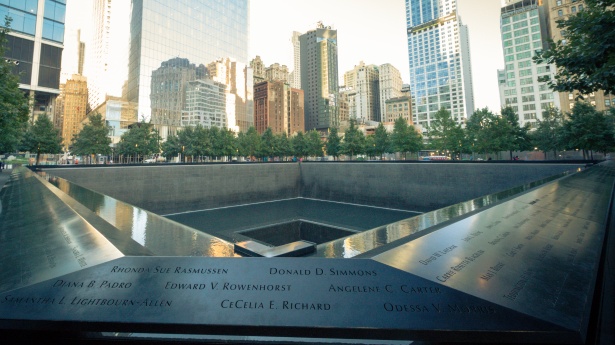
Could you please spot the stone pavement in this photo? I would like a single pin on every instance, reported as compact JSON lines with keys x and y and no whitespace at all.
{"x":5,"y":175}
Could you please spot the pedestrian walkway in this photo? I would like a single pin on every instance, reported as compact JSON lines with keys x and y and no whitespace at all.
{"x":5,"y":176}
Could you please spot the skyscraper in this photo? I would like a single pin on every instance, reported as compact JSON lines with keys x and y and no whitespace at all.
{"x":34,"y":47}
{"x":279,"y":107}
{"x":524,"y":31}
{"x":201,"y":31}
{"x":364,"y":80}
{"x":390,"y":86}
{"x":319,"y":78}
{"x":295,"y":75}
{"x":439,"y":55}
{"x":106,"y":55}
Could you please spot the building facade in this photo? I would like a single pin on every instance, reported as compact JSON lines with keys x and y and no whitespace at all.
{"x":239,"y":80}
{"x":365,"y":80}
{"x":34,"y":47}
{"x":168,"y":90}
{"x":390,"y":84}
{"x":439,"y":56}
{"x":205,"y":104}
{"x":106,"y":56}
{"x":277,"y":72}
{"x":295,"y":75}
{"x":524,"y":28}
{"x":74,"y":106}
{"x":562,"y":9}
{"x":398,"y":107}
{"x":319,"y":78}
{"x":201,"y":31}
{"x":279,"y":107}
{"x":118,"y":115}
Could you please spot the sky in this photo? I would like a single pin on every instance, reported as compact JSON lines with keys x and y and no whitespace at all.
{"x":375,"y":32}
{"x":372,"y":31}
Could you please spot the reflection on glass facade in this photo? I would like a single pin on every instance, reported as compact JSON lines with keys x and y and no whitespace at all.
{"x":200,"y":31}
{"x":25,"y":40}
{"x":439,"y":55}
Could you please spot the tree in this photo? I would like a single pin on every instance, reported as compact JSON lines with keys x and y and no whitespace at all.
{"x":282,"y":145}
{"x":444,"y":133}
{"x":248,"y":143}
{"x":92,"y":138}
{"x":314,"y":144}
{"x":405,"y":138}
{"x":299,"y":145}
{"x":140,"y":140}
{"x":587,"y":129}
{"x":267,"y":143}
{"x":334,"y":142}
{"x":228,"y":143}
{"x":171,"y":147}
{"x":489,"y":133}
{"x":14,"y":108}
{"x":585,"y":57}
{"x":382,"y":142}
{"x":547,"y":137}
{"x":42,"y":138}
{"x":517,"y":137}
{"x":354,"y":140}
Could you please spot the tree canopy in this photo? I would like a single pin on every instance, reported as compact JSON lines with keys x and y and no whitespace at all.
{"x":334,"y":143}
{"x":141,"y":140}
{"x":585,"y":57}
{"x":93,"y":138}
{"x":354,"y":140}
{"x":41,"y":137}
{"x":14,"y":105}
{"x":444,"y":133}
{"x":405,"y":138}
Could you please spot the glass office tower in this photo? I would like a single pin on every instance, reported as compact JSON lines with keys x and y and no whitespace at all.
{"x":439,"y":56}
{"x":34,"y":48}
{"x":201,"y":31}
{"x":524,"y":33}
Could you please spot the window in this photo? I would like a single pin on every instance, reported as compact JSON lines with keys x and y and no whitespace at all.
{"x":573,"y":9}
{"x":559,"y":2}
{"x":560,"y":13}
{"x":527,"y":107}
{"x":607,"y":102}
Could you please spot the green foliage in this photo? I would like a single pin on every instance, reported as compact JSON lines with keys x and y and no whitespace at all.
{"x":141,"y":140}
{"x":14,"y":109}
{"x":92,"y":138}
{"x":585,"y":58}
{"x":588,"y":129}
{"x":445,"y":135}
{"x":334,"y":143}
{"x":405,"y":138}
{"x":282,"y":145}
{"x":547,"y":137}
{"x":267,"y":144}
{"x":354,"y":140}
{"x":517,"y":138}
{"x":314,"y":144}
{"x":250,"y":143}
{"x":42,"y":138}
{"x":171,"y":147}
{"x":382,"y":142}
{"x":299,"y":145}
